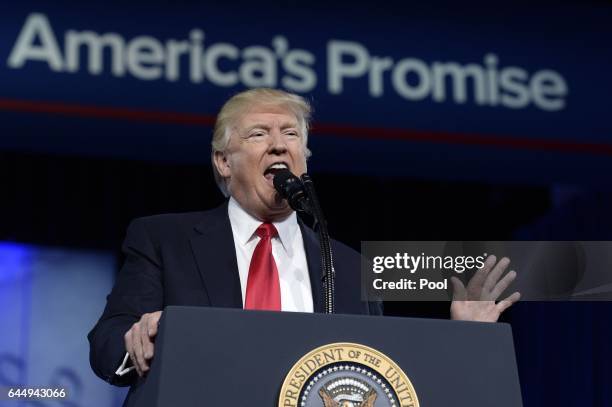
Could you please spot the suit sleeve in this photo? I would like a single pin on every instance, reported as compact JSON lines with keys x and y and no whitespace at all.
{"x":138,"y":290}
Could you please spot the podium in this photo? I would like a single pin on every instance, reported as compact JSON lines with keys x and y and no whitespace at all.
{"x":228,"y":357}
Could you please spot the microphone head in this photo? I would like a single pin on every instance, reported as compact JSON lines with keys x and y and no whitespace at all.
{"x":283,"y":178}
{"x":290,"y":188}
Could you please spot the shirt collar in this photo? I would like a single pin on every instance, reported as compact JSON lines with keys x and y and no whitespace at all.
{"x":244,"y":226}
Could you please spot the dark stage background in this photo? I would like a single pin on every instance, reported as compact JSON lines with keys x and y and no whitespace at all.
{"x":86,"y":203}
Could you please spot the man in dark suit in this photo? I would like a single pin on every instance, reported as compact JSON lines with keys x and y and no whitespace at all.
{"x":252,"y":252}
{"x":204,"y":258}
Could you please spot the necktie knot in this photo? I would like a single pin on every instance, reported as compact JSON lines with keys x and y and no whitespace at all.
{"x":266,"y":230}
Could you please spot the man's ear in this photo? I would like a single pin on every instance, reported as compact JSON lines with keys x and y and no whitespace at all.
{"x":222,"y":164}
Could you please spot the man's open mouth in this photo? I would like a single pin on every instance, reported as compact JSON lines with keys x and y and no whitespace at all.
{"x":274,"y":168}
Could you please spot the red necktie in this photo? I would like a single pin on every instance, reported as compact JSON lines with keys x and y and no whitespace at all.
{"x":263,"y":287}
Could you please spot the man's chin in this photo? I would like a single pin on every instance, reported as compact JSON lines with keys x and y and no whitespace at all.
{"x":279,"y":202}
{"x":279,"y":207}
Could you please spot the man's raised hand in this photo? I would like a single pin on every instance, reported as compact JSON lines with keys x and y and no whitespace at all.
{"x":477,"y":301}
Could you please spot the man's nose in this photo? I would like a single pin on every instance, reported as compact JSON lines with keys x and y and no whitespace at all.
{"x":278,"y":142}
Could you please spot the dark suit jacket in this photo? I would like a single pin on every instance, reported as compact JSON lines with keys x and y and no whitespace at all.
{"x":190,"y":259}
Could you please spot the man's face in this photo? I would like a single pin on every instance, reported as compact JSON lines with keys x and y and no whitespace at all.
{"x":265,"y":139}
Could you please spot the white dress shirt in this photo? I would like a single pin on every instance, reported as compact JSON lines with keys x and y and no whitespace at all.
{"x":287,"y":249}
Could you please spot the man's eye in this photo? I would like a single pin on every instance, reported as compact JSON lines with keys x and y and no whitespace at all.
{"x":292,"y":133}
{"x":257,"y":134}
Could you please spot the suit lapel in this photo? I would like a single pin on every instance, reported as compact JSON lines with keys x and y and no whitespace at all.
{"x":215,"y":254}
{"x":313,"y":256}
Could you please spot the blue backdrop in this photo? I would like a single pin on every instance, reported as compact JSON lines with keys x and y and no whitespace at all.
{"x":413,"y":90}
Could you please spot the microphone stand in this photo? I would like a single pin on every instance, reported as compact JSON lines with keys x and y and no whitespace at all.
{"x":327,"y":261}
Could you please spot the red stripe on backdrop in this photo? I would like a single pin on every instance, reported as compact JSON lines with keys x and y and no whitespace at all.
{"x":100,"y":112}
{"x":374,"y":133}
{"x":520,"y":143}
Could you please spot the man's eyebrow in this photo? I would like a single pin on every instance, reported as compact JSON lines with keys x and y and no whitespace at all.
{"x":288,"y":125}
{"x":258,"y":126}
{"x":285,"y":125}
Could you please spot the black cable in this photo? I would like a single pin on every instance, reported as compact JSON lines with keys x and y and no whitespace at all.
{"x":327,"y":262}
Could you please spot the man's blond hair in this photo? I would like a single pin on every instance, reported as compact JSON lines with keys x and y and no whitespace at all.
{"x":241,"y":103}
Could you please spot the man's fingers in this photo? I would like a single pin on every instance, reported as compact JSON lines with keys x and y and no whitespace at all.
{"x":148,"y":349}
{"x":139,"y":347}
{"x":152,"y":326}
{"x":502,"y":285}
{"x":496,"y":273}
{"x":129,"y":347}
{"x":147,"y":338}
{"x":477,"y":280}
{"x":136,"y":365}
{"x":147,"y":345}
{"x":507,"y":303}
{"x":139,"y":341}
{"x":459,"y":292}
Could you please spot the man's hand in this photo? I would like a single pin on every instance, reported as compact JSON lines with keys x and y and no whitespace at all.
{"x":139,"y":341}
{"x":477,"y":302}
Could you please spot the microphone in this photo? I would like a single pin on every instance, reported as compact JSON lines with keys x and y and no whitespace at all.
{"x":291,"y":188}
{"x":301,"y":195}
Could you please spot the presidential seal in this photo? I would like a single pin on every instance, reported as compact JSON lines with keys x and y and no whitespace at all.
{"x":346,"y":375}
